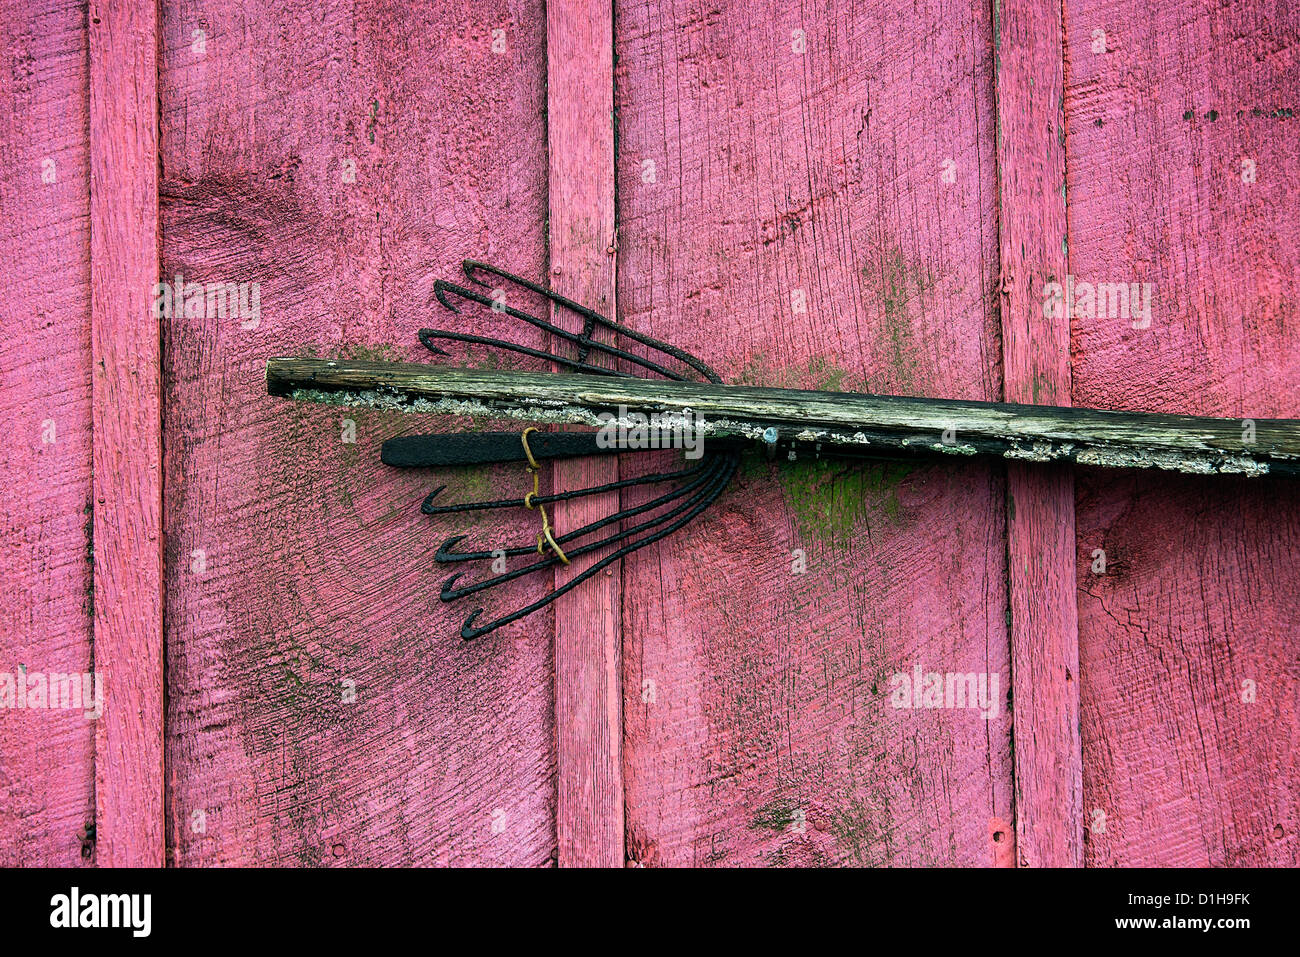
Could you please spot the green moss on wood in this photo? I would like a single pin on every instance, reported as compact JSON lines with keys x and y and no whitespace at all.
{"x":774,"y":816}
{"x":898,"y":285}
{"x":818,"y":372}
{"x":828,"y":499}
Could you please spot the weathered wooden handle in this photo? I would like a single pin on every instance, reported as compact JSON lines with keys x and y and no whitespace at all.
{"x":844,"y":421}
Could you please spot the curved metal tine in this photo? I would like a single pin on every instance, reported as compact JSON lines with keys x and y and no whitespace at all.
{"x":426,"y":335}
{"x":429,"y":509}
{"x":450,"y":593}
{"x":444,"y":556}
{"x":469,"y":266}
{"x":469,"y":632}
{"x":589,"y":316}
{"x":441,"y":287}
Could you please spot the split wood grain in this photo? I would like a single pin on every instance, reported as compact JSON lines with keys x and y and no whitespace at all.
{"x":1017,"y":432}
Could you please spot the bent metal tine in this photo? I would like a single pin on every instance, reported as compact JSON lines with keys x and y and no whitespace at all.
{"x":468,"y":630}
{"x":584,"y":339}
{"x":428,"y":508}
{"x":444,"y":554}
{"x":785,"y":424}
{"x":700,"y":484}
{"x":591,"y":318}
{"x":427,"y":337}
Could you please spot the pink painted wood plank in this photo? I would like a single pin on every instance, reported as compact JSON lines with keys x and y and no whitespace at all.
{"x":47,"y":804}
{"x":809,"y":199}
{"x":1188,"y":671}
{"x":588,"y":621}
{"x":120,"y":240}
{"x":127,"y":455}
{"x":1040,"y":501}
{"x":323,"y":709}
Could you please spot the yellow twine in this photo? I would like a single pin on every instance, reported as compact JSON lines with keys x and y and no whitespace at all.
{"x":546,"y":537}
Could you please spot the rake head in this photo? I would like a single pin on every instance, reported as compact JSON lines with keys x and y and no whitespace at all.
{"x":688,"y":491}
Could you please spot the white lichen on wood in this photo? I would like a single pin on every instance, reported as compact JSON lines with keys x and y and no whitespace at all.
{"x":847,"y":421}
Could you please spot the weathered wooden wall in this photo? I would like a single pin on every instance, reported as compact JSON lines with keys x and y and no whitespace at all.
{"x":1190,"y":676}
{"x":47,"y":793}
{"x":127,"y":425}
{"x":783,"y":211}
{"x":345,"y":157}
{"x":848,"y":196}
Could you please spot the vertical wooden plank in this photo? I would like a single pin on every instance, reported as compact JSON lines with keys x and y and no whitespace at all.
{"x":127,"y":457}
{"x":47,"y":812}
{"x":588,"y":622}
{"x":323,"y":709}
{"x":1182,"y":173}
{"x":807,"y":198}
{"x":1036,"y":369}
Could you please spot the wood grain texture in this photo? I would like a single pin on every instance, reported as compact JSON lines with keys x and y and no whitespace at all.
{"x":1163,"y":104}
{"x":1189,"y":678}
{"x":822,"y":197}
{"x":784,"y":213}
{"x":322,"y":710}
{"x":1036,"y":369}
{"x":847,"y":422}
{"x":127,"y":457}
{"x":47,"y":797}
{"x":588,"y":623}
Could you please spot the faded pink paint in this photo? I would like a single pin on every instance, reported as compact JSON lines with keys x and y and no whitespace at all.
{"x":1041,"y":589}
{"x":588,"y":623}
{"x":127,"y":459}
{"x":798,"y":231}
{"x":46,"y":757}
{"x":317,"y":563}
{"x":1199,"y":593}
{"x":799,"y":228}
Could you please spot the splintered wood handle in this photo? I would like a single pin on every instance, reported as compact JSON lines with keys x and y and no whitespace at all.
{"x":830,"y":422}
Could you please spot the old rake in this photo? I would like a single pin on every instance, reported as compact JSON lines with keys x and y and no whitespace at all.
{"x":687,"y":406}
